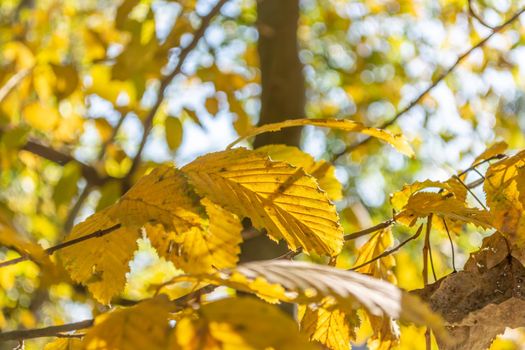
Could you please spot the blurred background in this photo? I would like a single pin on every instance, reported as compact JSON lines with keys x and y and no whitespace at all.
{"x":81,"y":77}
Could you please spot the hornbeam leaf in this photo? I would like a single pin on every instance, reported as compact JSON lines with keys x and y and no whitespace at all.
{"x":377,"y":244}
{"x":328,"y":325}
{"x":11,"y":239}
{"x":175,"y":221}
{"x":65,"y":344}
{"x":323,"y":171}
{"x":276,"y":196}
{"x":143,"y":326}
{"x":240,"y":324}
{"x":100,"y":263}
{"x":423,"y":204}
{"x":306,"y":283}
{"x":397,"y":141}
{"x":504,"y":188}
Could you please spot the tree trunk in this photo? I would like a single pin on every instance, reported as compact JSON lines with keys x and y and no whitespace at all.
{"x":283,"y":96}
{"x":283,"y":92}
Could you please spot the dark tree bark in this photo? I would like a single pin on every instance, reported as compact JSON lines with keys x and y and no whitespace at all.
{"x":283,"y":90}
{"x":283,"y":96}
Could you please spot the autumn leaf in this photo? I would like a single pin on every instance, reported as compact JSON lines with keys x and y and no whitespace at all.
{"x":11,"y":239}
{"x":378,"y":243}
{"x":306,"y":283}
{"x":400,"y":198}
{"x":397,"y":141}
{"x":144,"y":326}
{"x":65,"y":344}
{"x":321,"y":170}
{"x":164,"y":205}
{"x":173,"y":130}
{"x":423,"y":204}
{"x":503,"y":187}
{"x":276,"y":196}
{"x":198,"y":249}
{"x":239,"y":323}
{"x":100,"y":263}
{"x":328,"y":325}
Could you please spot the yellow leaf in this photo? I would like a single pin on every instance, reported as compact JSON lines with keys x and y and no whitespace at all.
{"x":144,"y":326}
{"x":503,"y":187}
{"x":494,"y":150}
{"x":100,"y":263}
{"x":41,"y":117}
{"x":276,"y":196}
{"x":109,"y":89}
{"x":164,"y":205}
{"x":65,"y":344}
{"x":215,"y":245}
{"x":173,"y":130}
{"x":327,"y":325}
{"x":397,"y":141}
{"x":66,"y":188}
{"x":66,"y":80}
{"x":212,"y":105}
{"x":445,"y":206}
{"x":323,"y":171}
{"x":400,"y":198}
{"x":104,"y":128}
{"x":11,"y":239}
{"x":377,"y":244}
{"x":306,"y":283}
{"x":239,"y":324}
{"x":386,"y":333}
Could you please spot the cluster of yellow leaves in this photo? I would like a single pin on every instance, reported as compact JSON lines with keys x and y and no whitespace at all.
{"x":307,"y":283}
{"x":240,"y":323}
{"x":448,"y":206}
{"x":199,"y":234}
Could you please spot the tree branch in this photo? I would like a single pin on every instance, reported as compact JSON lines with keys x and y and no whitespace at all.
{"x":56,"y":331}
{"x":475,"y":15}
{"x":88,"y":172}
{"x":148,"y":122}
{"x":434,"y":83}
{"x":390,"y":251}
{"x":52,"y":331}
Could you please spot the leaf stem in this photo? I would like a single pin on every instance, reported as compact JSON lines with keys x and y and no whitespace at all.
{"x":391,"y":251}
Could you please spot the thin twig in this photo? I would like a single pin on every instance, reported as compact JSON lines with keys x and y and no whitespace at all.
{"x":451,"y":245}
{"x":51,"y":250}
{"x":57,"y":331}
{"x":427,"y":240}
{"x":369,"y":230}
{"x":293,"y":253}
{"x":425,"y":257}
{"x":474,"y":166}
{"x":13,"y":82}
{"x":434,"y":83}
{"x":471,"y":192}
{"x":73,"y":212}
{"x":148,"y":122}
{"x":474,"y":14}
{"x":88,"y":172}
{"x":393,"y":250}
{"x":44,"y":332}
